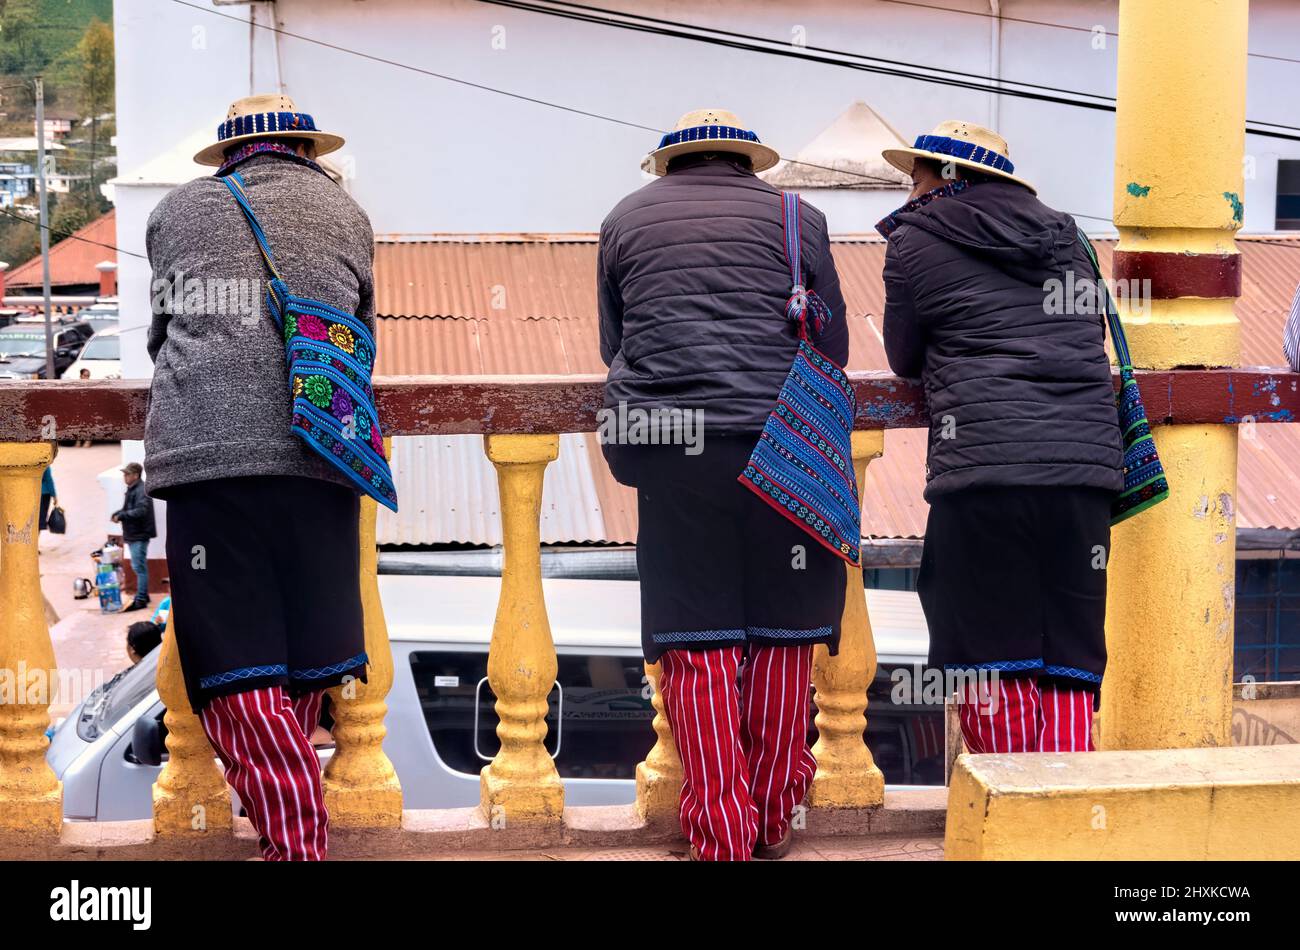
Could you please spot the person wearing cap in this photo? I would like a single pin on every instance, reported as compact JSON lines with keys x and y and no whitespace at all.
{"x":693,"y":286}
{"x":262,"y":528}
{"x":138,"y":529}
{"x":1024,"y":450}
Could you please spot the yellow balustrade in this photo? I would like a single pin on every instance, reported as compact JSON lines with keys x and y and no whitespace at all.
{"x":190,"y":797}
{"x":361,"y":786}
{"x":521,"y":783}
{"x":31,"y":798}
{"x":847,"y":775}
{"x":659,"y":777}
{"x":1178,"y":182}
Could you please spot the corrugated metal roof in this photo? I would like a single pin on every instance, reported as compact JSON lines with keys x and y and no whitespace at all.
{"x":526,"y":304}
{"x":72,"y":260}
{"x":448,"y":493}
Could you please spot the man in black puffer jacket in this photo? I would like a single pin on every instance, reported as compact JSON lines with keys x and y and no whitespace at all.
{"x":1024,"y":451}
{"x":693,"y":286}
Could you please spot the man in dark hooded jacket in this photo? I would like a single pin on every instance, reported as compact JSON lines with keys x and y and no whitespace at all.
{"x":1024,"y":450}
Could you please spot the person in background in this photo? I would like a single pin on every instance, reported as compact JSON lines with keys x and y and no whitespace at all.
{"x":142,"y":637}
{"x":693,"y":286}
{"x":47,"y":496}
{"x":136,"y":518}
{"x":1024,"y":451}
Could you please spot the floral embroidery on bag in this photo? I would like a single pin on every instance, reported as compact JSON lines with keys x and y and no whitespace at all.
{"x":319,"y":390}
{"x":342,"y":337}
{"x":311,"y":326}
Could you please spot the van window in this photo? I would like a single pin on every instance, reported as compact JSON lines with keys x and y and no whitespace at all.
{"x":607,"y":712}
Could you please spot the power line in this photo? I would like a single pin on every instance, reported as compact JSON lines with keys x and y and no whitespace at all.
{"x":963,"y":74}
{"x":605,"y":17}
{"x":482,"y":87}
{"x":66,"y":235}
{"x":1048,"y":23}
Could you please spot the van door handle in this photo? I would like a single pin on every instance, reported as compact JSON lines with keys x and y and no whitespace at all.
{"x":559,"y":725}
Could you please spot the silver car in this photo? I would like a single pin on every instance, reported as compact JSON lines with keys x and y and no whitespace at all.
{"x":441,"y":718}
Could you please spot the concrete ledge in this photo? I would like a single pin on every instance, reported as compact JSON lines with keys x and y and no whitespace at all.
{"x":451,"y":831}
{"x":1176,"y":804}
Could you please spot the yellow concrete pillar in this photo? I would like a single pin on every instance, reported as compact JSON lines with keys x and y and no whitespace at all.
{"x":1178,"y":202}
{"x":190,"y":797}
{"x":31,"y":798}
{"x":659,"y":778}
{"x":521,"y":783}
{"x":361,"y":786}
{"x":847,"y":775}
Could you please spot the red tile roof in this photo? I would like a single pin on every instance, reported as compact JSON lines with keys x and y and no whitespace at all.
{"x":526,"y":304}
{"x":72,"y":260}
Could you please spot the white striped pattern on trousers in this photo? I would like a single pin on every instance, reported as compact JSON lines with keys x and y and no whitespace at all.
{"x":1291,"y":336}
{"x":1025,"y":717}
{"x":263,"y":738}
{"x":744,"y":749}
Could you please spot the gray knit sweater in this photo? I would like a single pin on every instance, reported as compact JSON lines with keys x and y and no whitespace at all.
{"x":219,"y":406}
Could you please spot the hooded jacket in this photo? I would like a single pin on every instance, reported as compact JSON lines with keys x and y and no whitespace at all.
{"x":1016,"y":377}
{"x":692,"y":285}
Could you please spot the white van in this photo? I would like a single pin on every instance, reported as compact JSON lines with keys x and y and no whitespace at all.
{"x":441,"y":721}
{"x":101,"y":356}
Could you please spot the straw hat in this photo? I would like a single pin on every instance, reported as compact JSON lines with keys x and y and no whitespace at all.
{"x":265,"y":117}
{"x":709,"y":130}
{"x":964,"y":144}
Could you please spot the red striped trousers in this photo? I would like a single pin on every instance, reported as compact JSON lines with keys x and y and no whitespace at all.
{"x":1015,"y":714}
{"x":744,"y":748}
{"x":263,"y":738}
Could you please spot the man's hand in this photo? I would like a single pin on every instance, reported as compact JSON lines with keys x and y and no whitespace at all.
{"x":116,"y":517}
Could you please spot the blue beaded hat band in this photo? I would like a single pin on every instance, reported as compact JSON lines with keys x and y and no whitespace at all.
{"x":265,"y":117}
{"x":959,"y":143}
{"x":709,"y":130}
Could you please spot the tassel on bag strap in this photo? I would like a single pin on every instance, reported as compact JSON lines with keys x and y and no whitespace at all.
{"x":802,"y":301}
{"x":1117,"y":338}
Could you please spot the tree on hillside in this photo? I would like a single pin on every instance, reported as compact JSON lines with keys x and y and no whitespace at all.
{"x":97,"y":81}
{"x":21,"y":49}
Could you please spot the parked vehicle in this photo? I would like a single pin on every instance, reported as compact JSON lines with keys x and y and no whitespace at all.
{"x":101,"y":356}
{"x":22,"y":348}
{"x":441,"y":719}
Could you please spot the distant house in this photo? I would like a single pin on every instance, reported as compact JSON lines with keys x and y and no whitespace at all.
{"x":73,"y":261}
{"x":15,"y":182}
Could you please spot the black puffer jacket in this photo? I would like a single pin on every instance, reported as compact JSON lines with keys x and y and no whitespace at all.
{"x":1017,"y":395}
{"x":136,"y":514}
{"x":692,"y":285}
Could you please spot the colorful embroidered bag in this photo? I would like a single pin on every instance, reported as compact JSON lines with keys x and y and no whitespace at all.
{"x":1145,"y":483}
{"x":330,"y":355}
{"x":803,"y":463}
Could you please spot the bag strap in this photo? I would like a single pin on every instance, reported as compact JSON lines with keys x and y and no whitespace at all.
{"x":279,"y":290}
{"x":1117,"y":337}
{"x":802,"y":301}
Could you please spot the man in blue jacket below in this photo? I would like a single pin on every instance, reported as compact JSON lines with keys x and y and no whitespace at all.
{"x":138,"y":529}
{"x":693,"y":286}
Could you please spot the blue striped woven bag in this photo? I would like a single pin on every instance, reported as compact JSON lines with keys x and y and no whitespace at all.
{"x":1145,"y":483}
{"x":803,"y":463}
{"x":330,"y":355}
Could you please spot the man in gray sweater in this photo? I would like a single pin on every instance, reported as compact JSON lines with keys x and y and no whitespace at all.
{"x":262,"y":526}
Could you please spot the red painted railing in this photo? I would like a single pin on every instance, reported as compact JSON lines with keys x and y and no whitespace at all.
{"x":446,"y":405}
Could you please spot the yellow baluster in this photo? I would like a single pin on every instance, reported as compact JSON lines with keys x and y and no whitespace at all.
{"x":659,"y":777}
{"x":847,"y":776}
{"x":190,"y":796}
{"x":31,"y":798}
{"x":521,"y":783}
{"x":361,"y":786}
